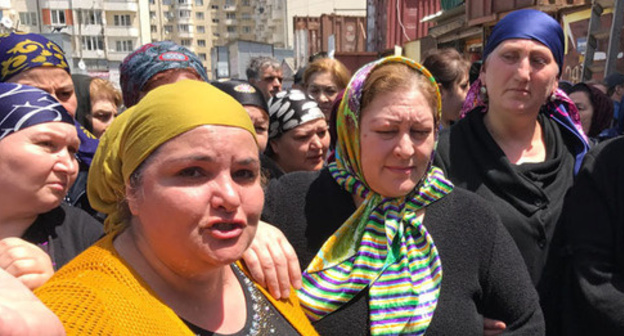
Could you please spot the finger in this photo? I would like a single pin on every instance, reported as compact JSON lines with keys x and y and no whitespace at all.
{"x":253,"y":265}
{"x":294,"y":269}
{"x":493,"y":324}
{"x":270,"y":273}
{"x":281,"y":269}
{"x":33,"y":280}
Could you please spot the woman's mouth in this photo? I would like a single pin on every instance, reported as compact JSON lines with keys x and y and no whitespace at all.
{"x":401,"y":170}
{"x":224,"y":230}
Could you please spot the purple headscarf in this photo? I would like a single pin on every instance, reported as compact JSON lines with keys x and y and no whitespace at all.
{"x":22,"y":106}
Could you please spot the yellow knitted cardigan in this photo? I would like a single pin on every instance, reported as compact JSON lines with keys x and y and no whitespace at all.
{"x":98,"y":293}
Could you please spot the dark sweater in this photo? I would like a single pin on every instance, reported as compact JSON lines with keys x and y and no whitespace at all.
{"x":594,"y":227}
{"x":64,"y":233}
{"x":483,"y":272}
{"x":527,"y":197}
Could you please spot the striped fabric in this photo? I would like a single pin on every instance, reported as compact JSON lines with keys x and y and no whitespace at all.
{"x":383,"y":247}
{"x":395,"y":259}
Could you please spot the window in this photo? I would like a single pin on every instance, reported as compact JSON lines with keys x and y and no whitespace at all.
{"x":123,"y":46}
{"x":184,"y":2}
{"x":58,"y":16}
{"x":122,"y":20}
{"x":202,"y":56}
{"x":184,"y":28}
{"x":90,"y":17}
{"x":215,"y":34}
{"x":201,"y":43}
{"x":246,"y":17}
{"x":215,"y":7}
{"x":230,"y":16}
{"x":199,"y":15}
{"x":215,"y":20}
{"x":199,"y":2}
{"x":152,"y":15}
{"x":154,"y":29}
{"x":246,"y":3}
{"x":169,"y":15}
{"x":246,"y":30}
{"x":92,"y":43}
{"x":28,"y":18}
{"x":168,"y":29}
{"x":166,"y":2}
{"x":184,"y":14}
{"x":201,"y":29}
{"x":231,"y":29}
{"x":152,"y":2}
{"x":186,"y":42}
{"x":230,"y":3}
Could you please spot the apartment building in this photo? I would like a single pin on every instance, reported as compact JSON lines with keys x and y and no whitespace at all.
{"x":234,"y":20}
{"x":186,"y":22}
{"x":101,"y":32}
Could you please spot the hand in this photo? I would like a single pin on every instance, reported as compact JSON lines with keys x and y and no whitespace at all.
{"x":272,"y":261}
{"x":21,"y":313}
{"x":25,"y":261}
{"x":493,"y":327}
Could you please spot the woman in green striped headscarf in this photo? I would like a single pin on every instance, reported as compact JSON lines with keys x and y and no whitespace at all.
{"x":388,"y":245}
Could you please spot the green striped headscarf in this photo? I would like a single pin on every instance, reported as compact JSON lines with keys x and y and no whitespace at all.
{"x":383,"y":246}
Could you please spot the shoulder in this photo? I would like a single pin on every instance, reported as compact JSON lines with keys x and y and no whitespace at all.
{"x":81,"y":225}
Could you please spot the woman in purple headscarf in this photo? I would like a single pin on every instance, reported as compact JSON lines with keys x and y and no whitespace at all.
{"x":520,"y":143}
{"x":38,"y":144}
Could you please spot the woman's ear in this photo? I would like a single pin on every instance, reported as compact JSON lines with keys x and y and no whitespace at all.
{"x":274,"y":147}
{"x":132,"y":198}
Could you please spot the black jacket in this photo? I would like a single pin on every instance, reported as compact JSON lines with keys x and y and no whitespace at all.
{"x":483,"y":272}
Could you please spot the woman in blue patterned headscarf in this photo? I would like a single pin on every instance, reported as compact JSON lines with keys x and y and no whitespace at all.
{"x":520,"y":143}
{"x":32,"y":59}
{"x":38,"y":142}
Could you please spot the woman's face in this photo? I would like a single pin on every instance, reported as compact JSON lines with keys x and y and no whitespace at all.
{"x":38,"y":166}
{"x":453,"y":99}
{"x":55,"y":81}
{"x":586,"y":109}
{"x":200,"y":199}
{"x":103,"y":112}
{"x":303,"y":147}
{"x":260,"y":121}
{"x":322,"y":88}
{"x":519,"y":75}
{"x":396,"y":141}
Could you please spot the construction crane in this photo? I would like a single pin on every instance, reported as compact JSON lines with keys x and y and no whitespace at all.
{"x":595,"y":33}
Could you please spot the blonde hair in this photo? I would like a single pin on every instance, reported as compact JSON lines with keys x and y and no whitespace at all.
{"x":339,"y":72}
{"x":392,"y":76}
{"x":103,"y":89}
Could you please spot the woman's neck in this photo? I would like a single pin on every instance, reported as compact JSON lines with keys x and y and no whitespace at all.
{"x":518,"y":135}
{"x":15,"y":226}
{"x":217,"y":291}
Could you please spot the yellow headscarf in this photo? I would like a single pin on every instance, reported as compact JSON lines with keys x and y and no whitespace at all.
{"x":161,"y":115}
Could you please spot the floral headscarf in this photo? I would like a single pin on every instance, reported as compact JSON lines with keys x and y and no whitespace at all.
{"x":384,"y":246}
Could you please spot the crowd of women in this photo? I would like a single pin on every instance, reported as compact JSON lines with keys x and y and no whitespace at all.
{"x":416,"y":199}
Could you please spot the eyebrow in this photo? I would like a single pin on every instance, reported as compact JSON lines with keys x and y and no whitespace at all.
{"x":210,"y":159}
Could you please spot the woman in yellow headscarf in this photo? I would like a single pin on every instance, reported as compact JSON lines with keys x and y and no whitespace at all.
{"x":182,"y":207}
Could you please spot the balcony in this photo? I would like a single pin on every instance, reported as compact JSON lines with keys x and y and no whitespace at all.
{"x":230,"y":36}
{"x":117,"y":56}
{"x":183,"y":34}
{"x":122,"y":31}
{"x":121,"y":5}
{"x":230,"y":22}
{"x":229,"y":8}
{"x":184,"y":5}
{"x":90,"y":29}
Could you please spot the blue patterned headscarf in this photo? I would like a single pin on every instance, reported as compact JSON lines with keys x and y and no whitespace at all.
{"x":22,"y":106}
{"x":20,"y":52}
{"x":152,"y":58}
{"x":528,"y":24}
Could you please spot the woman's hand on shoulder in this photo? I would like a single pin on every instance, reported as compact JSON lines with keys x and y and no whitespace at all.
{"x":493,"y":327}
{"x":272,"y":261}
{"x":25,"y":261}
{"x":21,"y":313}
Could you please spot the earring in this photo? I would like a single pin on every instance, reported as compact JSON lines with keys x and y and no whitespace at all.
{"x":552,"y":97}
{"x":484,"y":95}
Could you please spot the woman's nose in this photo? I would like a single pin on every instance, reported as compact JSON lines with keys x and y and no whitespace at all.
{"x":66,"y":162}
{"x":225,"y":195}
{"x":404,"y":149}
{"x":524,"y":69}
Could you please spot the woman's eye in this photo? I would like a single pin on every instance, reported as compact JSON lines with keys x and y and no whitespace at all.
{"x":420,"y":132}
{"x":509,"y":57}
{"x":260,"y":129}
{"x":191,"y":172}
{"x":245,"y":175}
{"x":321,"y":134}
{"x":539,"y":61}
{"x":47,"y":144}
{"x":64,"y":95}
